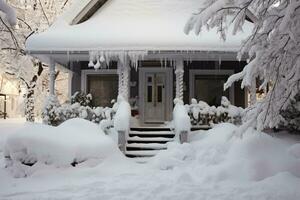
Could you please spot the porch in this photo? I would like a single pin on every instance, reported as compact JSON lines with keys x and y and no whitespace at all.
{"x":150,"y":82}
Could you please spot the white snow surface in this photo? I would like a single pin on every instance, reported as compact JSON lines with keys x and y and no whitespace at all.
{"x":75,"y":140}
{"x":215,"y":164}
{"x":134,"y":25}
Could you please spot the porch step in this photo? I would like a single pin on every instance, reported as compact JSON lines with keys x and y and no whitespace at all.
{"x":151,"y":133}
{"x":147,"y":142}
{"x":149,"y":139}
{"x":146,"y":146}
{"x":141,"y":153}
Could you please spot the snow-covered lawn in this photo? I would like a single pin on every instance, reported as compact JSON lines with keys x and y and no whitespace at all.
{"x":214,"y":165}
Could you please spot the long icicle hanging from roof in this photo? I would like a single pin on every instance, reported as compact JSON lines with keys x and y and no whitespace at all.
{"x":101,"y":59}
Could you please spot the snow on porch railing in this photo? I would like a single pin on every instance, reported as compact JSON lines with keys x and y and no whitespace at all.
{"x":181,"y":121}
{"x":122,"y":121}
{"x":201,"y":114}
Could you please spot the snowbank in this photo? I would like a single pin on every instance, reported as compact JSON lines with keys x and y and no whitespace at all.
{"x":218,"y":155}
{"x":74,"y":141}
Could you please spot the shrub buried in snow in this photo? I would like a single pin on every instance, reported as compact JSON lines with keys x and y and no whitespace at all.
{"x":203,"y":114}
{"x":74,"y":141}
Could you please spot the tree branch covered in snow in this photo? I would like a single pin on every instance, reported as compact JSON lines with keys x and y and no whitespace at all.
{"x":16,"y":25}
{"x":273,"y":49}
{"x":9,"y":12}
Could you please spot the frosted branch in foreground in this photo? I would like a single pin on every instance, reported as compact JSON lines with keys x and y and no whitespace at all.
{"x":272,"y":47}
{"x":9,"y":12}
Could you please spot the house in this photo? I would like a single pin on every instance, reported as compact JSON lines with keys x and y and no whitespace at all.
{"x":137,"y":48}
{"x":9,"y":96}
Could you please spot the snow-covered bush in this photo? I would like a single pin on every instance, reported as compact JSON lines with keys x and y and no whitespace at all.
{"x":203,"y":114}
{"x":50,"y":114}
{"x":73,"y":142}
{"x":82,"y":98}
{"x":54,"y":113}
{"x":291,"y":116}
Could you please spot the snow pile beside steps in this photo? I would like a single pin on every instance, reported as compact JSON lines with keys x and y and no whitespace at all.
{"x":74,"y":141}
{"x":219,"y":155}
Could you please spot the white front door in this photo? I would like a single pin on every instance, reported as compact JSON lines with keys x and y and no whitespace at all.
{"x":155,"y":97}
{"x":156,"y":93}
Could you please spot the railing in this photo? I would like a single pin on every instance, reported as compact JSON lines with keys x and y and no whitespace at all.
{"x":3,"y":113}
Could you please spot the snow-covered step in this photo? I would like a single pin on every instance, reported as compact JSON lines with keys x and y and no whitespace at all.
{"x":146,"y":133}
{"x":144,"y":153}
{"x":147,"y":146}
{"x":147,"y":142}
{"x":149,"y":139}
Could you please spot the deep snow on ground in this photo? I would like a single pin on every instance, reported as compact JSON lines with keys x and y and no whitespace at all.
{"x":214,"y":165}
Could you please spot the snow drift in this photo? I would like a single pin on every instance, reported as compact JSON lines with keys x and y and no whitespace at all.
{"x":219,"y":155}
{"x":74,"y":141}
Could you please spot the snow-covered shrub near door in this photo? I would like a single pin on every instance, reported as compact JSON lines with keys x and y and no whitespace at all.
{"x":203,"y":114}
{"x":54,"y":113}
{"x":82,"y":98}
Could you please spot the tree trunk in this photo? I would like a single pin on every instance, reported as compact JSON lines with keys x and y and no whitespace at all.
{"x":29,"y":101}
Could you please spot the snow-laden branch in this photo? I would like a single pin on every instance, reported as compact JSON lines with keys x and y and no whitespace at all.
{"x":9,"y":12}
{"x":273,"y":49}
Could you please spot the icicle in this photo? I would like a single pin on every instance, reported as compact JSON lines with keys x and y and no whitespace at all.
{"x":97,"y":65}
{"x":102,"y":59}
{"x":91,"y":64}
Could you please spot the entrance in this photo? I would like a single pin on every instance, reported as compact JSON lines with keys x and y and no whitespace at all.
{"x":155,"y":95}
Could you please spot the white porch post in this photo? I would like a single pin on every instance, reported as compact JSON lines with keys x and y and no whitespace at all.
{"x":123,"y":72}
{"x":52,"y":78}
{"x":179,"y":72}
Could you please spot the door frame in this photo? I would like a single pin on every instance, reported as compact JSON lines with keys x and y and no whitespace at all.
{"x":168,"y":88}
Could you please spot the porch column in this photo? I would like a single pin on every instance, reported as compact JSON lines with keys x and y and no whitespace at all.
{"x":179,"y":72}
{"x":52,"y":78}
{"x":123,"y":72}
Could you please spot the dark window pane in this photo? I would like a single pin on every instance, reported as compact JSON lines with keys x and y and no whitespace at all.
{"x":159,"y":94}
{"x":149,"y":93}
{"x":209,"y":88}
{"x":149,"y":79}
{"x":103,"y":88}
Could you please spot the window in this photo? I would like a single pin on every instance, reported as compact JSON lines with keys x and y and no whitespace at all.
{"x":103,"y":87}
{"x":208,"y":86}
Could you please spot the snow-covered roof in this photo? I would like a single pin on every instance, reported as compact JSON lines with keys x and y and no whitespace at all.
{"x":133,"y":25}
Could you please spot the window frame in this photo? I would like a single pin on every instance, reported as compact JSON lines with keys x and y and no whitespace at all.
{"x":194,"y":72}
{"x":88,"y":72}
